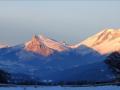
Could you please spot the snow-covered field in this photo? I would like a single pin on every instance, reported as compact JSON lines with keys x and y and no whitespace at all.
{"x":63,"y":88}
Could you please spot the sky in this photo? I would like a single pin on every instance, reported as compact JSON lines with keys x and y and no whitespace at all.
{"x":64,"y":20}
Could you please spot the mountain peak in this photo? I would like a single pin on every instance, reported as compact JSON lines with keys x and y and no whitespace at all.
{"x":110,"y":31}
{"x":107,"y":35}
{"x":106,"y":41}
{"x":37,"y":46}
{"x":39,"y":38}
{"x":40,"y":44}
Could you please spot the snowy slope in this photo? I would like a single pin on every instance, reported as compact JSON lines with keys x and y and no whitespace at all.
{"x":53,"y":44}
{"x":44,"y":46}
{"x":36,"y":45}
{"x":106,"y":41}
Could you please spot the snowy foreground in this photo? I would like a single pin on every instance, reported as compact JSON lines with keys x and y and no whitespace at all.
{"x":63,"y":88}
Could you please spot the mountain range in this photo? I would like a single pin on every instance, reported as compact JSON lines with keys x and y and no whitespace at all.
{"x":45,"y":59}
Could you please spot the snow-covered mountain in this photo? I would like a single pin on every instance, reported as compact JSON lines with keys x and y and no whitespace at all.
{"x":44,"y":46}
{"x":36,"y":45}
{"x":106,"y":41}
{"x":43,"y":58}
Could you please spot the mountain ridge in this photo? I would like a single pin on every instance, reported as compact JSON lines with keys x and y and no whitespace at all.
{"x":42,"y":58}
{"x":106,"y":41}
